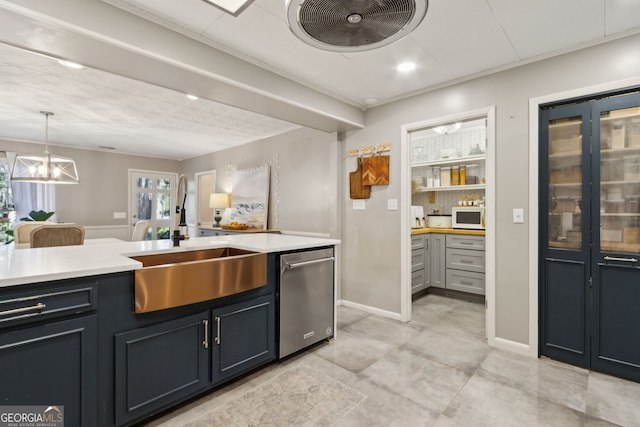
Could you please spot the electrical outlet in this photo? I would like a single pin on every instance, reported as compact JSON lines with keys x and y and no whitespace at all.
{"x":518,"y":216}
{"x":392,"y":204}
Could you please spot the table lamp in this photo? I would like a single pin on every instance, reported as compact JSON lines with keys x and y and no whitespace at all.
{"x":218,"y":201}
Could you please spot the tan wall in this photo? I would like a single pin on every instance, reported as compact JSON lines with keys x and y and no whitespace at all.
{"x":304,"y":178}
{"x":103,"y":187}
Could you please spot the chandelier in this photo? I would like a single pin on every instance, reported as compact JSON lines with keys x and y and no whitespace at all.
{"x":47,"y":168}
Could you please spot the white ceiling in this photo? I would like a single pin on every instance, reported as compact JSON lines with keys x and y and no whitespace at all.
{"x":457,"y":40}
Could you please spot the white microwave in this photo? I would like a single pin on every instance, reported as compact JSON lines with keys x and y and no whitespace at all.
{"x":471,"y":217}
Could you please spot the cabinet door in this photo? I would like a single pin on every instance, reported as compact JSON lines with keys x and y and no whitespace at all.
{"x":565,"y":181}
{"x":53,"y":365}
{"x":160,"y":365}
{"x":243,"y":337}
{"x":438,"y":268}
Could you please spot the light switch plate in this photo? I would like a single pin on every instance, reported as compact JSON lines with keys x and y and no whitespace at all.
{"x":518,"y":216}
{"x":119,"y":215}
{"x":392,"y":204}
{"x":358,"y":205}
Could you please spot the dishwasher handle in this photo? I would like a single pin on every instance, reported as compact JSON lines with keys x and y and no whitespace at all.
{"x":303,"y":263}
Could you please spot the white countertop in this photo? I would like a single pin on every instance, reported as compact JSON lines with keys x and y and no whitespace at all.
{"x":103,"y":256}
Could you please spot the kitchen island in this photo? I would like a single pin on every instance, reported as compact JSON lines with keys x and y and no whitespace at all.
{"x":70,"y":336}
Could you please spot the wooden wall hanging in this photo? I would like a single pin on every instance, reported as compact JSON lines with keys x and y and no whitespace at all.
{"x":375,"y":170}
{"x":356,"y":189}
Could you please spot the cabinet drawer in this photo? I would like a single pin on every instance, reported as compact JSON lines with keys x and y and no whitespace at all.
{"x":465,"y":259}
{"x":417,"y":242}
{"x":463,"y":241}
{"x":417,"y":281}
{"x":31,"y":305}
{"x":417,"y":259}
{"x":465,"y":281}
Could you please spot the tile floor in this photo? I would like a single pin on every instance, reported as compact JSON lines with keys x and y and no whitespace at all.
{"x":437,"y":371}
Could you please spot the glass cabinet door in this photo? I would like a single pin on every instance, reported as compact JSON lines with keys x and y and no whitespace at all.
{"x":565,"y":183}
{"x":619,"y":194}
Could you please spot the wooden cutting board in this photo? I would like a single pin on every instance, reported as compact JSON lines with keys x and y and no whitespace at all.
{"x":356,"y":189}
{"x":375,"y":170}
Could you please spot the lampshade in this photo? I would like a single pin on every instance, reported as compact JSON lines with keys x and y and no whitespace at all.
{"x":47,"y":168}
{"x":219,"y":200}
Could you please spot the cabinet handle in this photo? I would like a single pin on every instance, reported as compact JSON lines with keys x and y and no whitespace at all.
{"x":464,"y":282}
{"x":205,"y":343}
{"x":612,"y":258}
{"x":466,"y":243}
{"x":467,"y":261}
{"x":217,"y":340}
{"x":38,"y":306}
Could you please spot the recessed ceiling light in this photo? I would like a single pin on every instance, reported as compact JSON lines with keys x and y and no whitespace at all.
{"x":370,"y":101}
{"x":192,"y":97}
{"x":69,"y":64}
{"x":407,"y":66}
{"x":232,"y":7}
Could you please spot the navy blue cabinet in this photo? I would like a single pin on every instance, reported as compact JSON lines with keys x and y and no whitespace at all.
{"x":159,"y":364}
{"x":243,"y":337}
{"x":47,"y":357}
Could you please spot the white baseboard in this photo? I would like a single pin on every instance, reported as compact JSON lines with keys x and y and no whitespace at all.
{"x":369,"y":309}
{"x":512,"y":346}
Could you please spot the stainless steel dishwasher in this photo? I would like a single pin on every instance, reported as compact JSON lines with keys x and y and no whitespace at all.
{"x":306,"y":299}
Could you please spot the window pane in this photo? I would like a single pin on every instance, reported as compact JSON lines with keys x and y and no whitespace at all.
{"x":164,"y":206}
{"x":163,"y":233}
{"x":620,"y":180}
{"x":565,"y":183}
{"x":145,"y":183}
{"x":164,"y":184}
{"x":143,"y":209}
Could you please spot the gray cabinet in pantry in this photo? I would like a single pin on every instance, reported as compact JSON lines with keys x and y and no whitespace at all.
{"x":418,"y":247}
{"x":465,"y":263}
{"x":427,"y":261}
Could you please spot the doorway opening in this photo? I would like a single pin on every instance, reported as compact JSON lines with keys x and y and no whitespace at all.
{"x":430,"y":151}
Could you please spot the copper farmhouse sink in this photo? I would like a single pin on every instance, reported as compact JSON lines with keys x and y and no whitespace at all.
{"x":181,"y":278}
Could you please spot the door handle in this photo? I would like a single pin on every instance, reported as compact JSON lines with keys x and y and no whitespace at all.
{"x":38,"y":306}
{"x":205,"y":324}
{"x":217,"y":340}
{"x":612,"y":258}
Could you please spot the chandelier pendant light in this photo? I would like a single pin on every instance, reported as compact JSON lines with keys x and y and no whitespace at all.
{"x":45,"y":169}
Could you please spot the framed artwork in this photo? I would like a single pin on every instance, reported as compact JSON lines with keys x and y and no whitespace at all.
{"x":250,"y":197}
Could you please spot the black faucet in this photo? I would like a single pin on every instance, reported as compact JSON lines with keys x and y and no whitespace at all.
{"x":177,"y":237}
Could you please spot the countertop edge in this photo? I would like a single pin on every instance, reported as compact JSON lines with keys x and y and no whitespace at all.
{"x":27,"y":266}
{"x":417,"y":231}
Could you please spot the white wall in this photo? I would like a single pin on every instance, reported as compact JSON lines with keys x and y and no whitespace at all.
{"x":371,"y":239}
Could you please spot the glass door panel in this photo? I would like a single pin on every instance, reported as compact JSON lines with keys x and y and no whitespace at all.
{"x":620,"y":180}
{"x":152,"y":198}
{"x":565,"y":183}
